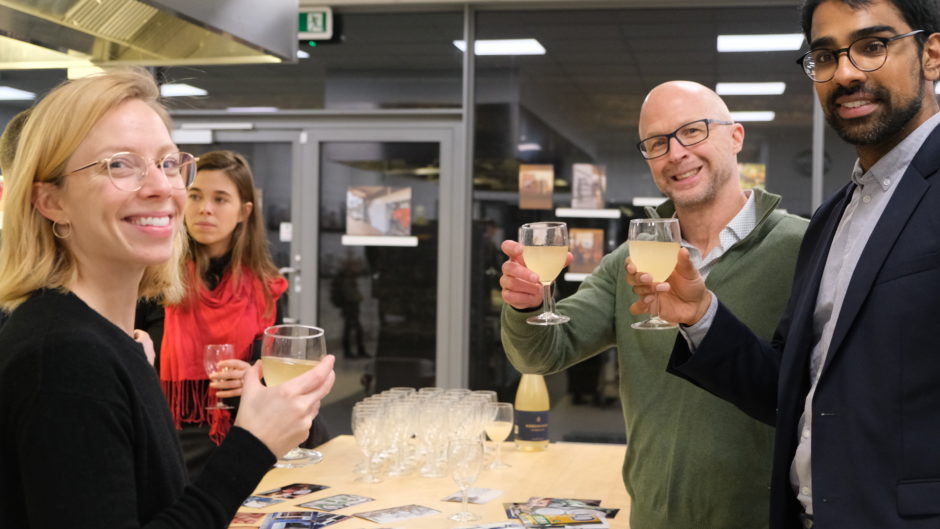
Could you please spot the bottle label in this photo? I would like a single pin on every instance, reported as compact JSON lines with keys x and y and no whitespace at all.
{"x":531,"y":425}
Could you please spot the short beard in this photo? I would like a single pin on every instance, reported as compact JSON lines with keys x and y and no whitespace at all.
{"x":882,"y":128}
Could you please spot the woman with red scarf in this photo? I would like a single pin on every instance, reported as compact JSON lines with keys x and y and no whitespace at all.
{"x":232,"y":292}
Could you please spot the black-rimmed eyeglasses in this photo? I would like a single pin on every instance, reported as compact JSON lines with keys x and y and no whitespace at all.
{"x":128,"y":169}
{"x":687,"y":135}
{"x":867,"y":54}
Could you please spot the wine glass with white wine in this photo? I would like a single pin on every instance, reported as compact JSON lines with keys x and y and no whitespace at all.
{"x":499,"y":417}
{"x":654,"y":250}
{"x":545,"y":250}
{"x":288,"y":351}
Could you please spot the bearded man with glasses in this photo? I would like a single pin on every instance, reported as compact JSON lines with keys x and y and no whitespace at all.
{"x":694,"y":461}
{"x":851,"y":378}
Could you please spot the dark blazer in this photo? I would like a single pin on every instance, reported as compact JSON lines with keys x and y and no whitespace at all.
{"x":876,"y":411}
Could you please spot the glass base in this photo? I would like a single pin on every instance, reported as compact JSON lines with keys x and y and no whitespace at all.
{"x":464,"y":516}
{"x":299,"y":457}
{"x":548,"y":318}
{"x":220,"y":406}
{"x":655,"y":324}
{"x":497,"y":465}
{"x":368,"y":478}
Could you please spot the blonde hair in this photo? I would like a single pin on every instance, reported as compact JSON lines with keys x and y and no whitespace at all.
{"x":31,"y":257}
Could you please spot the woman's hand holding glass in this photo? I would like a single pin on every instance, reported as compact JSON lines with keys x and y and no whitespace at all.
{"x":227,"y":381}
{"x":281,"y":416}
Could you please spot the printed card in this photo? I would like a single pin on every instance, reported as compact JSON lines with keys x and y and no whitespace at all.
{"x":247,"y":519}
{"x":259,"y":502}
{"x":301,"y":520}
{"x":294,"y":490}
{"x":397,"y":514}
{"x":335,"y":502}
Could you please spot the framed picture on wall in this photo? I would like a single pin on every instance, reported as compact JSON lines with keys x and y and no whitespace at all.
{"x":589,"y":182}
{"x":587,"y":246}
{"x":536,"y":184}
{"x":378,"y":210}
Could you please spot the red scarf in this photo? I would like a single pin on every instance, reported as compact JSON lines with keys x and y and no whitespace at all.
{"x":232,"y":314}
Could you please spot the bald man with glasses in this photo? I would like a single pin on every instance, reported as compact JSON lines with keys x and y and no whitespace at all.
{"x":694,"y":461}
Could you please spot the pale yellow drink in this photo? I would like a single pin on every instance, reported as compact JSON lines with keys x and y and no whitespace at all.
{"x":278,"y":370}
{"x":655,"y":258}
{"x":498,"y":431}
{"x":546,"y":261}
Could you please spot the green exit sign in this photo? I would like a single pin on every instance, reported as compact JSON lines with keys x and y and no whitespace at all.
{"x":315,"y":23}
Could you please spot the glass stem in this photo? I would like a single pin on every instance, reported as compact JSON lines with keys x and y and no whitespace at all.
{"x":466,"y":493}
{"x":499,"y":459}
{"x":548,"y":304}
{"x":654,"y":307}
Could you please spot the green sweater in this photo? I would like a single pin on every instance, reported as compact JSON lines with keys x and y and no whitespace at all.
{"x":695,"y":461}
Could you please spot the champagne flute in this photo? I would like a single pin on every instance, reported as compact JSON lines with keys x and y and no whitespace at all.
{"x":654,"y":250}
{"x":286,"y":352}
{"x":466,"y":459}
{"x":498,"y":425}
{"x":545,"y":249}
{"x":213,"y":354}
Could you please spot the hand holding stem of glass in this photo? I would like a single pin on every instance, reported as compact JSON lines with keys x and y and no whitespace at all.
{"x":288,"y":351}
{"x":654,"y":250}
{"x":545,"y":250}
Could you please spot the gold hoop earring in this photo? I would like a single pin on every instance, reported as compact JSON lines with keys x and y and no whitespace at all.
{"x":55,"y":231}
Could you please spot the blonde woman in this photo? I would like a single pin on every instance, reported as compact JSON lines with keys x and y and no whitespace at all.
{"x":93,"y":207}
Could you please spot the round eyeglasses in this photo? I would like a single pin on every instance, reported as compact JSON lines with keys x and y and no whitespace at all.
{"x":128,"y":169}
{"x":867,"y":54}
{"x":687,"y":135}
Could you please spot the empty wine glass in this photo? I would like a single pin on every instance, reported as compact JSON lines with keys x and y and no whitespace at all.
{"x":498,"y":425}
{"x":654,"y":250}
{"x":213,"y":354}
{"x":545,"y":250}
{"x":288,"y":351}
{"x":465,"y":457}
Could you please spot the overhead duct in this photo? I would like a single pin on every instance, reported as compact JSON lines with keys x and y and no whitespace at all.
{"x":73,"y":33}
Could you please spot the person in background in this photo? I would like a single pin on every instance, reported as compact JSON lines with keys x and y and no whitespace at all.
{"x":232,"y":289}
{"x":694,"y":460}
{"x":93,"y":224}
{"x":850,"y":378}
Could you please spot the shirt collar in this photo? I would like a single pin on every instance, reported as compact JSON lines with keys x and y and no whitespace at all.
{"x":889,"y":169}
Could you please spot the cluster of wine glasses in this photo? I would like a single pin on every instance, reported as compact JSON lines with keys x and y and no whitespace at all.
{"x":432,"y":432}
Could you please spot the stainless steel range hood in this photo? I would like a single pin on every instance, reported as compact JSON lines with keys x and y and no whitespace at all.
{"x":75,"y":33}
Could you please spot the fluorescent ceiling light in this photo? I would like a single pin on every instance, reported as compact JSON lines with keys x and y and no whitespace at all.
{"x":777,"y":42}
{"x":503,"y":47}
{"x":180,"y":89}
{"x":524,"y":147}
{"x":301,"y":54}
{"x":753,"y":115}
{"x":8,"y":93}
{"x":251,"y":109}
{"x":750,"y":89}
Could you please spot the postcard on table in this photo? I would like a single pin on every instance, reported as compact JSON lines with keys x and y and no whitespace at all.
{"x":335,"y":502}
{"x":396,"y":514}
{"x":475,"y":495}
{"x":294,"y":490}
{"x":243,"y":519}
{"x":259,"y":502}
{"x":301,"y":520}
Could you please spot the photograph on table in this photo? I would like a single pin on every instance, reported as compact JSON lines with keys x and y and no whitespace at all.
{"x":301,"y":520}
{"x":247,"y":519}
{"x":259,"y":502}
{"x":396,"y":514}
{"x":292,"y":491}
{"x":589,"y":182}
{"x":378,"y":210}
{"x":587,"y":247}
{"x":335,"y":502}
{"x":536,"y":184}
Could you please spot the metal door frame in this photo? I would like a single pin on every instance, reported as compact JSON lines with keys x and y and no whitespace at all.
{"x":307,"y":131}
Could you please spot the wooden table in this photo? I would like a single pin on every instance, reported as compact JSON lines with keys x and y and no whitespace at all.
{"x":563,"y":470}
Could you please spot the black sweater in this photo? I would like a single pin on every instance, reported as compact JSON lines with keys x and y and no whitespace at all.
{"x":86,"y":439}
